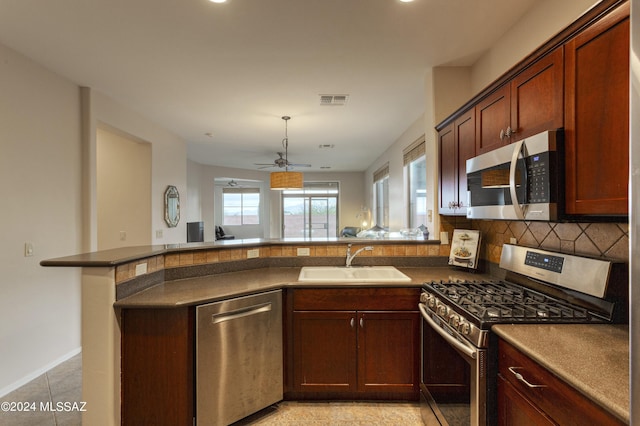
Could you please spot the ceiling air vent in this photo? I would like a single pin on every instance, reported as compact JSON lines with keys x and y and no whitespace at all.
{"x":333,"y":99}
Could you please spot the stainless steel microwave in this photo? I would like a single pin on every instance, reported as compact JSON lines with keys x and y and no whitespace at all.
{"x":520,"y":181}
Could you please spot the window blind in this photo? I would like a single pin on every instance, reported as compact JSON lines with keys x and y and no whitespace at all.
{"x":414,"y":151}
{"x":381,"y":173}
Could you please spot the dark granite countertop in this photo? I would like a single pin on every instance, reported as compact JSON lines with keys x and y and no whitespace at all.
{"x":205,"y":289}
{"x":118,"y":256}
{"x":593,"y":358}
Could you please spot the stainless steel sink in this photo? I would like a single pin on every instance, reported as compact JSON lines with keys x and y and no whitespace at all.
{"x":359,"y":274}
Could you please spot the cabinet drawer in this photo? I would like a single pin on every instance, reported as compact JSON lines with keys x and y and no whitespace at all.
{"x":335,"y":299}
{"x":563,"y":403}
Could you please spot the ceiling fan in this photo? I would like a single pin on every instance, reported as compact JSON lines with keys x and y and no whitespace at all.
{"x":280,"y":162}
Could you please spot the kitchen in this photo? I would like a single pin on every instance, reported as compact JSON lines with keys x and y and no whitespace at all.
{"x":59,"y":231}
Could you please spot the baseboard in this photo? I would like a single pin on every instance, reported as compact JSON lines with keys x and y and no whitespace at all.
{"x":40,"y":371}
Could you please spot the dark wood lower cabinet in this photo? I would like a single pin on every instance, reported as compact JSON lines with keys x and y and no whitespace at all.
{"x":325,"y":348}
{"x":357,"y":344}
{"x":157,"y":367}
{"x":339,"y":353}
{"x":535,"y":396}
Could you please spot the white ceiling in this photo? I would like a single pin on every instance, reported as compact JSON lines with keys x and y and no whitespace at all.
{"x":232,"y":70}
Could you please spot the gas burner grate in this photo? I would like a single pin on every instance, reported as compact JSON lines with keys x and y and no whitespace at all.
{"x":502,"y":301}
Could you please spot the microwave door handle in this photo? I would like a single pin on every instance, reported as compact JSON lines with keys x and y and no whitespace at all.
{"x":517,"y":149}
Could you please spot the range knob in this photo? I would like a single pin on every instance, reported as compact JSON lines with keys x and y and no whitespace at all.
{"x":442,"y":310}
{"x":431,"y":301}
{"x":465,"y":328}
{"x":454,"y":320}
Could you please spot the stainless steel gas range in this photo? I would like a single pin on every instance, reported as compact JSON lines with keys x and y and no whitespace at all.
{"x":539,"y":287}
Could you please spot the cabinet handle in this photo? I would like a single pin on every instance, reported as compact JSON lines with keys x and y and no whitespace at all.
{"x":523,"y":380}
{"x":502,"y":135}
{"x":361,"y":322}
{"x":510,"y":132}
{"x":353,"y":322}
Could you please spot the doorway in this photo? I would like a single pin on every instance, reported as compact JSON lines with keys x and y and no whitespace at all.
{"x":311,"y":213}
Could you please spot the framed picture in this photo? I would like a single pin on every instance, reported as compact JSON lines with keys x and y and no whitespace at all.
{"x":464,"y":248}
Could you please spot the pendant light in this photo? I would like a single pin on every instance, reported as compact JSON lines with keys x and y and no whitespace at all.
{"x":286,"y":179}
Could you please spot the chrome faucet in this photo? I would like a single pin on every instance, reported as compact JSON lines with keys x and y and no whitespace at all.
{"x":351,"y":256}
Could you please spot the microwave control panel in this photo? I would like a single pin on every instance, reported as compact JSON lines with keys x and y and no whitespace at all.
{"x":538,"y":182}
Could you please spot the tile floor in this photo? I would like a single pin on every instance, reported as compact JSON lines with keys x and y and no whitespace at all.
{"x":63,"y":384}
{"x":42,"y":395}
{"x":294,"y":413}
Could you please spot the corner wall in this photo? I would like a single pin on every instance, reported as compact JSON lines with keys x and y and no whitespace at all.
{"x":40,"y":167}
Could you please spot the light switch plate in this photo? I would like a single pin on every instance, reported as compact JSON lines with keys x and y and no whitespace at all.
{"x":303,"y":251}
{"x":444,"y":237}
{"x":28,"y":249}
{"x":141,"y":268}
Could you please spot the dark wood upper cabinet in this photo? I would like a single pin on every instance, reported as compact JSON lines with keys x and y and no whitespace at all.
{"x":528,"y":104}
{"x":492,"y":120}
{"x":579,"y":81}
{"x":597,"y":117}
{"x":537,"y":97}
{"x":456,"y":146}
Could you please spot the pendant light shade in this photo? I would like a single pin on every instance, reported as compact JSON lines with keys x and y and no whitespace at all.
{"x":286,"y":180}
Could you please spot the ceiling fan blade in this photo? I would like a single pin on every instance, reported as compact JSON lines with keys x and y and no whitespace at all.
{"x":266,"y":166}
{"x":299,"y":165}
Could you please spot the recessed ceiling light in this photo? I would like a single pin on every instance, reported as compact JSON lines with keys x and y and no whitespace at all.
{"x":218,"y":1}
{"x":403,"y":1}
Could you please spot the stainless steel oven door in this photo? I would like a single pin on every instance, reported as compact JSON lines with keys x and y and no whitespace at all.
{"x":475,"y":357}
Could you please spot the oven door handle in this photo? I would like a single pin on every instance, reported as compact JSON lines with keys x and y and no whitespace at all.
{"x":467,"y":350}
{"x":517,"y":149}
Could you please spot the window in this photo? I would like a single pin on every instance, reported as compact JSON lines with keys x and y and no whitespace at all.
{"x":311,"y":212}
{"x":241,"y":206}
{"x":416,"y":171}
{"x":381,"y":196}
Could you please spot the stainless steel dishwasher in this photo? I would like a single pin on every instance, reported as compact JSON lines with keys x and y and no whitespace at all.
{"x":238,"y":357}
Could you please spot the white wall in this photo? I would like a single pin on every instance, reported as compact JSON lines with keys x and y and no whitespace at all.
{"x":398,"y":198}
{"x":40,"y":169}
{"x":123,"y":190}
{"x":168,"y":160}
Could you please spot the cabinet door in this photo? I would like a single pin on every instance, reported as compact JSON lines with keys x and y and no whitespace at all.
{"x":324,"y":351}
{"x":465,"y":128}
{"x":492,"y":118}
{"x":388,"y":352}
{"x":457,"y":145}
{"x":515,"y":409}
{"x":448,"y":169}
{"x":597,"y":117}
{"x":157,"y":368}
{"x":537,"y":97}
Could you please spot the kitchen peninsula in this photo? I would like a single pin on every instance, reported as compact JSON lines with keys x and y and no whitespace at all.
{"x":165,"y":283}
{"x":179,"y":276}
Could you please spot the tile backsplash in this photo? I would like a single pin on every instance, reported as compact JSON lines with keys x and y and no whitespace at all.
{"x":609,"y":240}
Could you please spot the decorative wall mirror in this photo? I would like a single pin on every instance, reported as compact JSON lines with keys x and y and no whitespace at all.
{"x":171,"y":206}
